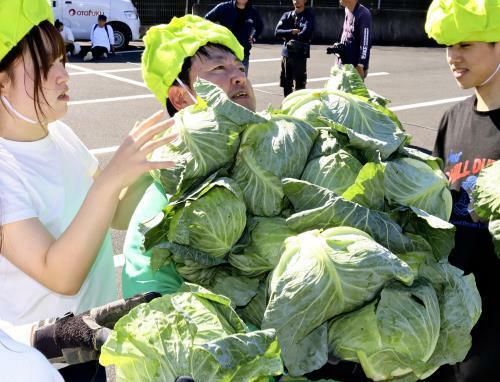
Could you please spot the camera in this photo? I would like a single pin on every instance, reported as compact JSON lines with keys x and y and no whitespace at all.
{"x":338,"y":48}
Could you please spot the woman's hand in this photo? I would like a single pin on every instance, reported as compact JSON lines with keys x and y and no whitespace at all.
{"x":131,"y":159}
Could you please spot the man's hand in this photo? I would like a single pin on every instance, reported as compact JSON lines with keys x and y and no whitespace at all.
{"x":77,"y":339}
{"x":361,"y":71}
{"x":295,"y":31}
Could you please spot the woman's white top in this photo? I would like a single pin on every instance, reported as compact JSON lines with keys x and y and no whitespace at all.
{"x":48,"y":179}
{"x":21,"y":363}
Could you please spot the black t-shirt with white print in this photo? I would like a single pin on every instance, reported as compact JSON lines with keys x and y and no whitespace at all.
{"x":467,"y":141}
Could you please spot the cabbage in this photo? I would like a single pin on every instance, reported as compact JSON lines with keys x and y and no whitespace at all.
{"x":210,"y":220}
{"x":392,"y":334}
{"x":317,"y":207}
{"x":193,"y":332}
{"x":369,"y":127}
{"x":197,"y":232}
{"x":487,"y":200}
{"x":411,"y":182}
{"x":337,"y":171}
{"x":208,"y":138}
{"x":319,"y":276}
{"x":269,"y":152}
{"x":374,"y":287}
{"x":264,"y":250}
{"x":487,"y":192}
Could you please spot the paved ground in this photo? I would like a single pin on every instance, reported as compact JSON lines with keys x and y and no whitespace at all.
{"x":107,"y":97}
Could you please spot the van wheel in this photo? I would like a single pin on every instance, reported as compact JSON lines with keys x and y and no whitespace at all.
{"x":122,"y":35}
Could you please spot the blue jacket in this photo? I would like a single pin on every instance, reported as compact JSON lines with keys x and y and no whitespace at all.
{"x":290,"y":20}
{"x":249,"y":26}
{"x":357,"y":36}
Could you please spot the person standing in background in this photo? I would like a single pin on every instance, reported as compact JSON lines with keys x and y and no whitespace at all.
{"x":241,"y":18}
{"x":296,"y":28}
{"x":356,"y":40}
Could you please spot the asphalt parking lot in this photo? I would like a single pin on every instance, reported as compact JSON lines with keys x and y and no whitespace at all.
{"x":108,"y":96}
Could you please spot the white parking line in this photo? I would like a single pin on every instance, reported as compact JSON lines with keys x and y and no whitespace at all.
{"x":127,"y":98}
{"x":106,"y":71}
{"x":107,"y":150}
{"x":130,"y":51}
{"x":319,"y":79}
{"x":427,"y":104}
{"x":265,"y":59}
{"x":107,"y":75}
{"x":110,"y":99}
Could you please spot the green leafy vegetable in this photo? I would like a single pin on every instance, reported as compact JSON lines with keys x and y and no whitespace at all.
{"x":389,"y":336}
{"x":269,"y":152}
{"x":368,"y":128}
{"x":336,"y":172}
{"x":411,"y":182}
{"x":210,"y":220}
{"x":317,"y":207}
{"x":321,"y":275}
{"x":208,"y":138}
{"x":264,"y":250}
{"x":193,"y":332}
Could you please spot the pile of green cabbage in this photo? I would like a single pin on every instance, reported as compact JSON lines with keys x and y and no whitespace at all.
{"x":317,"y":221}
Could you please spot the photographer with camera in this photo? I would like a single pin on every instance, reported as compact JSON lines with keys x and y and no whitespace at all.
{"x":296,"y":29}
{"x":355,"y":43}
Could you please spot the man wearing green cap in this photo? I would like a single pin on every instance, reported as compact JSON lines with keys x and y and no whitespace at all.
{"x":468,"y":140}
{"x":175,"y":54}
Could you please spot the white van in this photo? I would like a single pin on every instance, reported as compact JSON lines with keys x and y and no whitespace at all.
{"x":80,"y":15}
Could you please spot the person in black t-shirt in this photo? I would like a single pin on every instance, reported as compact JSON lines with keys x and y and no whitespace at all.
{"x":296,"y":29}
{"x":468,"y":140}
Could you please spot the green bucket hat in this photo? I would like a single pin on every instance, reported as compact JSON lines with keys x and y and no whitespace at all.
{"x":450,"y":22}
{"x":167,"y":46}
{"x":17,"y":17}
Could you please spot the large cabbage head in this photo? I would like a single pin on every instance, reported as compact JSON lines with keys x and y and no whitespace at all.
{"x":392,"y":334}
{"x":413,"y":183}
{"x":270,"y":151}
{"x":487,"y":192}
{"x":207,"y":138}
{"x":487,"y":200}
{"x":369,"y":127}
{"x":210,"y":220}
{"x":264,"y":248}
{"x":193,"y":332}
{"x":319,"y":276}
{"x":336,"y":172}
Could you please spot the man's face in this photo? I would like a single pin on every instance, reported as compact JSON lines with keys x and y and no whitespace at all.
{"x":241,"y":3}
{"x":347,"y":3}
{"x":473,"y":62}
{"x":226,"y":71}
{"x":101,"y":23}
{"x":299,"y":4}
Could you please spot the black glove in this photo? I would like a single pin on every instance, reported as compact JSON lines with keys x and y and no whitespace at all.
{"x":77,"y":339}
{"x":338,"y":48}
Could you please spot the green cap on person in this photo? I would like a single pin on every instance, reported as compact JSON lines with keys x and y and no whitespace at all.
{"x":17,"y":18}
{"x":168,"y":45}
{"x":450,"y":22}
